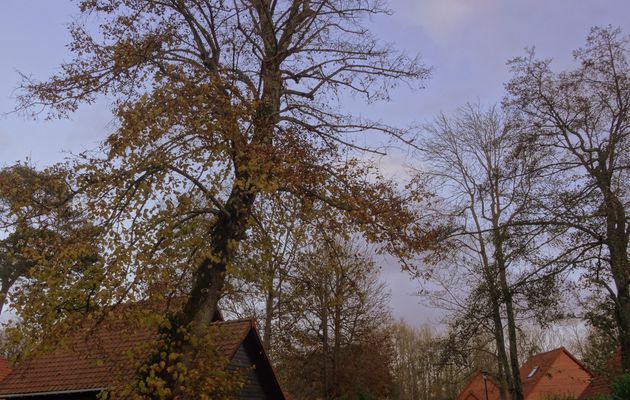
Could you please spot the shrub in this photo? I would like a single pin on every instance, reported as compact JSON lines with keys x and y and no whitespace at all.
{"x":621,"y":388}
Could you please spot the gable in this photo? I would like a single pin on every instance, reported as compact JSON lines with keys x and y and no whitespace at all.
{"x":254,"y":387}
{"x":476,"y":389}
{"x":261,"y":379}
{"x":554,"y":373}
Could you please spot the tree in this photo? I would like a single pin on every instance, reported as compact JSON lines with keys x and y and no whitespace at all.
{"x":337,"y":346}
{"x":264,"y":285}
{"x":495,"y":275}
{"x":37,"y":217}
{"x":580,"y":117}
{"x":419,"y":373}
{"x":220,"y":105}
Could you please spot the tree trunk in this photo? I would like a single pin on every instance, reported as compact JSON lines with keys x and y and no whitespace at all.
{"x":617,"y":232}
{"x":506,"y":383}
{"x":250,"y":171}
{"x":268,"y":319}
{"x":337,"y":335}
{"x":325,"y":344}
{"x":516,"y":391}
{"x":209,"y":278}
{"x":4,"y":292}
{"x":506,"y":378}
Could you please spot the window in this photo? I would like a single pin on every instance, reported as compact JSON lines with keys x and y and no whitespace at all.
{"x":533,"y":372}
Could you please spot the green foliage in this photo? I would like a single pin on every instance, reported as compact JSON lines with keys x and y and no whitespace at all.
{"x":599,"y":348}
{"x":621,"y":388}
{"x":599,"y":397}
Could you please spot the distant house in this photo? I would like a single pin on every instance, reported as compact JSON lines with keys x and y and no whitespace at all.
{"x":476,"y":388}
{"x":87,"y":366}
{"x":554,"y":373}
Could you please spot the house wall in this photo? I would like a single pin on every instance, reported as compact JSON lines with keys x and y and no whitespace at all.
{"x":253,"y":389}
{"x":564,"y":377}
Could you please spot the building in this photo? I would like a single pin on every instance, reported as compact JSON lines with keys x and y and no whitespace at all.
{"x":92,"y":363}
{"x":476,"y":388}
{"x":554,"y":373}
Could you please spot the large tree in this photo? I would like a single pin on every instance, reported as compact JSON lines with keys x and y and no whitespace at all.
{"x":580,"y":117}
{"x":220,"y":104}
{"x":495,"y":275}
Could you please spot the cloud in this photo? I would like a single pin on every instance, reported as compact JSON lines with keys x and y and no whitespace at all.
{"x":442,"y":18}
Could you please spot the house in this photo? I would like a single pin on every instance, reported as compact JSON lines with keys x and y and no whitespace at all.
{"x":554,"y":373}
{"x":100,"y":361}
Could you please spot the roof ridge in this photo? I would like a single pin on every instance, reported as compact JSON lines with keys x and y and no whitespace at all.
{"x":561,"y":348}
{"x":233,"y":321}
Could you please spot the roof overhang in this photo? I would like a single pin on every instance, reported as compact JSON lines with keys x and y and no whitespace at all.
{"x":53,"y":393}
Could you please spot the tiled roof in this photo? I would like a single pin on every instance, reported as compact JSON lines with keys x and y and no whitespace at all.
{"x":475,"y":389}
{"x":542,"y":362}
{"x":101,"y":359}
{"x":5,"y":368}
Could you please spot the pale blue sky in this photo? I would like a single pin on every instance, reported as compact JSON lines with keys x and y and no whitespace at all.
{"x":467,"y":42}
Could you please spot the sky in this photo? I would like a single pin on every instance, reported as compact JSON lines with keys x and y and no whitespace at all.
{"x":466,"y":42}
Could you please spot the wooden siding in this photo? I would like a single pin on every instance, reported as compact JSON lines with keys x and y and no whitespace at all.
{"x":253,"y":389}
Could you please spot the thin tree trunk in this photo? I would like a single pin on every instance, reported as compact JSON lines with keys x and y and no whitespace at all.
{"x":325,"y":344}
{"x":337,"y":336}
{"x":268,"y":318}
{"x":506,"y":383}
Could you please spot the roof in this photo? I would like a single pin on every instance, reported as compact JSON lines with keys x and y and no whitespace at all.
{"x":542,"y":363}
{"x":476,"y":389}
{"x":5,"y":368}
{"x":101,"y":359}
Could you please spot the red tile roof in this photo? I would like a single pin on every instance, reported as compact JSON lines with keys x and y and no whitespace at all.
{"x":544,"y":364}
{"x":5,"y":368}
{"x":476,"y":389}
{"x":102,"y":359}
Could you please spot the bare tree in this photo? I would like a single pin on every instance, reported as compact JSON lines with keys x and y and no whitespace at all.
{"x":487,"y":180}
{"x":580,"y":117}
